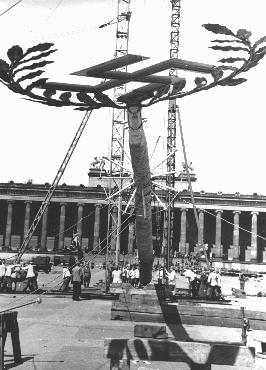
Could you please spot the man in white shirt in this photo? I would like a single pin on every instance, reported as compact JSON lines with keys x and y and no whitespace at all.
{"x":31,"y":278}
{"x":171,"y":277}
{"x":136,"y":276}
{"x":190,"y":275}
{"x":8,"y":279}
{"x":2,"y":273}
{"x":214,"y":280}
{"x":66,"y":279}
{"x":116,"y":275}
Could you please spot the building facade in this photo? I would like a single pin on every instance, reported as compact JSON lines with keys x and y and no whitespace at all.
{"x":232,"y":225}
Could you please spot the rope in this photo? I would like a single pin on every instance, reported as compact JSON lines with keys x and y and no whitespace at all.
{"x":231,"y":223}
{"x":200,"y":242}
{"x":12,"y":6}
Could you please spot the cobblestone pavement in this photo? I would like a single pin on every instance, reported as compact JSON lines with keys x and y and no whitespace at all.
{"x":63,"y":334}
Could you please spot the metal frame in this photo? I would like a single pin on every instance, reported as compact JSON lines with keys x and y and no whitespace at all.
{"x":171,"y":137}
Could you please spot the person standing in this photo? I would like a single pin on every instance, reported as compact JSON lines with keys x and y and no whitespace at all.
{"x":77,"y":280}
{"x":8,"y":278}
{"x":136,"y":276}
{"x":66,"y":279}
{"x":213,"y":280}
{"x":242,"y":280}
{"x":171,"y":277}
{"x":86,"y":275}
{"x":2,"y":274}
{"x":31,"y":278}
{"x":116,"y":275}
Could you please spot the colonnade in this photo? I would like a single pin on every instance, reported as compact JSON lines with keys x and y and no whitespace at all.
{"x":251,"y":251}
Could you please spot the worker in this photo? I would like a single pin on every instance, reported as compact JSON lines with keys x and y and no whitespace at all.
{"x":66,"y":279}
{"x":2,"y":273}
{"x":214,"y":281}
{"x":31,"y":277}
{"x":171,"y":277}
{"x":116,"y":275}
{"x":86,"y":275}
{"x":76,"y":280}
{"x":242,"y":280}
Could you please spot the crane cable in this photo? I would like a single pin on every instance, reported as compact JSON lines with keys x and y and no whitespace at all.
{"x":190,"y":185}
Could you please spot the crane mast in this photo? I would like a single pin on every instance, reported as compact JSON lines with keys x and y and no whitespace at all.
{"x":171,"y":135}
{"x":118,"y":124}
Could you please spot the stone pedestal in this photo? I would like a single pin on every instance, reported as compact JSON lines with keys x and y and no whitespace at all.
{"x":233,"y":252}
{"x":248,"y":254}
{"x":184,"y":248}
{"x":217,"y":251}
{"x":264,"y":256}
{"x":50,"y":243}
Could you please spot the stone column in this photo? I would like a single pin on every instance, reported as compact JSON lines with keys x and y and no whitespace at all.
{"x":79,"y":221}
{"x":218,"y":234}
{"x":234,"y":250}
{"x":27,"y":216}
{"x":114,"y":228}
{"x":44,"y":230}
{"x":131,"y":234}
{"x":254,"y":249}
{"x":201,"y":228}
{"x":9,"y":223}
{"x":236,"y":229}
{"x":62,"y":226}
{"x":183,"y":231}
{"x":97,"y":222}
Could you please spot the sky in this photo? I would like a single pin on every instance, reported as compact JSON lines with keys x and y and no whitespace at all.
{"x":224,"y":128}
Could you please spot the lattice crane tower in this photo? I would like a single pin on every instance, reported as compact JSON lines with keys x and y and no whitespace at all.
{"x":118,"y":127}
{"x":171,"y":133}
{"x":119,"y":115}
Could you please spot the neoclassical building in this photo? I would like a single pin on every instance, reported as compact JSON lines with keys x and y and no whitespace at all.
{"x":233,"y":225}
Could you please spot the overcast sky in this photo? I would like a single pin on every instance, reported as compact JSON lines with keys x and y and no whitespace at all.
{"x":224,"y":128}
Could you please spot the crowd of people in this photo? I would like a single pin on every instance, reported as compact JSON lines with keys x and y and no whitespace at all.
{"x":202,"y":283}
{"x":128,"y":273}
{"x":13,"y":274}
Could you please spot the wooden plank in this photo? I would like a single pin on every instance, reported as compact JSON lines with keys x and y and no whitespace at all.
{"x":176,"y":351}
{"x":173,"y":318}
{"x":150,"y":331}
{"x":110,"y":64}
{"x":189,"y":310}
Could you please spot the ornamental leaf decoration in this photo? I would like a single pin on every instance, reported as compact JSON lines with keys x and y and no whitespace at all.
{"x":233,"y":82}
{"x":232,"y":60}
{"x":37,"y":83}
{"x":38,"y":56}
{"x":228,"y":48}
{"x":39,"y":90}
{"x":65,"y":97}
{"x":4,"y":71}
{"x":243,"y":34}
{"x":200,"y":81}
{"x":33,"y":66}
{"x":217,"y":28}
{"x":103,"y":98}
{"x":84,"y":98}
{"x":39,"y":47}
{"x":15,"y":53}
{"x":260,"y":41}
{"x":30,"y":76}
{"x":49,"y":93}
{"x":227,"y":41}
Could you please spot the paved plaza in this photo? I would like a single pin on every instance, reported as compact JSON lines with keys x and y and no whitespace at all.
{"x":64,"y":334}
